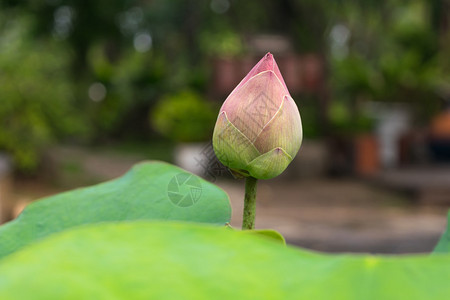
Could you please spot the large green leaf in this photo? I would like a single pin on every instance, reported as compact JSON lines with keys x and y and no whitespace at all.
{"x":149,"y":191}
{"x":443,"y":245}
{"x":268,"y":233}
{"x":145,"y":260}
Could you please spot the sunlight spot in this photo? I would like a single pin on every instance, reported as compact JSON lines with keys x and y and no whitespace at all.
{"x":97,"y":92}
{"x":371,"y":262}
{"x":142,"y":42}
{"x":220,"y":6}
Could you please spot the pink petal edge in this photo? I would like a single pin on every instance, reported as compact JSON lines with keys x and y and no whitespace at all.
{"x":267,"y":63}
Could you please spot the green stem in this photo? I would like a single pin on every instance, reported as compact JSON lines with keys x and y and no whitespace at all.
{"x":248,"y":221}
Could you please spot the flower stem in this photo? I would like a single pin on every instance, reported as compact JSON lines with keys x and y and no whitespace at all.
{"x":248,"y":221}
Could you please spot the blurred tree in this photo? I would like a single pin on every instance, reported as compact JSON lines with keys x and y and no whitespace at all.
{"x":121,"y":56}
{"x":138,"y":51}
{"x":35,"y":92}
{"x":386,"y":51}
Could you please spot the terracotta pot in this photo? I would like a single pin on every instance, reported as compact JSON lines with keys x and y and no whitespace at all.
{"x":367,"y":160}
{"x":439,"y":140}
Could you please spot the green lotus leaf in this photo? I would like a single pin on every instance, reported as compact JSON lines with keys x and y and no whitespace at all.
{"x":147,"y":260}
{"x":149,"y":191}
{"x":268,"y":233}
{"x":443,"y":245}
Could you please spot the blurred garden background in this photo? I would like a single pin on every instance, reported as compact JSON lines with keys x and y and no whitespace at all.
{"x":90,"y":87}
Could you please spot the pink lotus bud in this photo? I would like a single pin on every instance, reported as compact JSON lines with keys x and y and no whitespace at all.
{"x":259,"y":130}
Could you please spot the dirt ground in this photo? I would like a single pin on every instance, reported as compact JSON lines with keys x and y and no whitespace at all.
{"x":342,"y":216}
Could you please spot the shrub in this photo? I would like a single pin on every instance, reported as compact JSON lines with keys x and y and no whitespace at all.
{"x":184,"y":117}
{"x":36,"y":95}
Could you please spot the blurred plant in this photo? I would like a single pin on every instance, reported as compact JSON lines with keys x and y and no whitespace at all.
{"x":222,"y":43}
{"x":345,"y":121}
{"x":132,"y":82}
{"x":381,"y":50}
{"x":184,"y":117}
{"x":136,"y":51}
{"x":37,"y":103}
{"x":385,"y":54}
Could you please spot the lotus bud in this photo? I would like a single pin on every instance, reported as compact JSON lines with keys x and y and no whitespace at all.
{"x":258,"y":131}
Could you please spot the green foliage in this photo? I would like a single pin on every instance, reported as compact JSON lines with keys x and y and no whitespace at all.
{"x":224,"y":44}
{"x":133,"y":82}
{"x":392,"y":54}
{"x":269,"y":234}
{"x":444,"y":243}
{"x":184,"y":117}
{"x":345,"y":121}
{"x":386,"y":53}
{"x":37,"y":103}
{"x":145,"y":260}
{"x":141,"y":194}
